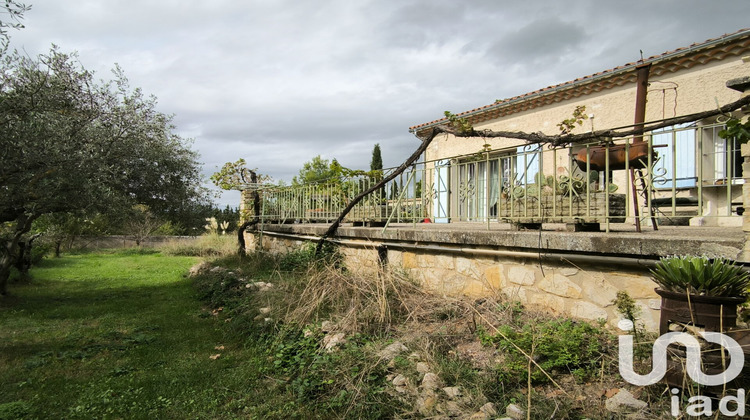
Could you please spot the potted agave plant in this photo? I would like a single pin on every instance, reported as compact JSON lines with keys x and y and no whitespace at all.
{"x":700,"y":291}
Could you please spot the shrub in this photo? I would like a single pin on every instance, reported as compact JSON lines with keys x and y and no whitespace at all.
{"x":39,"y":251}
{"x":14,"y":410}
{"x":305,"y":256}
{"x":555,"y":345}
{"x":330,"y":383}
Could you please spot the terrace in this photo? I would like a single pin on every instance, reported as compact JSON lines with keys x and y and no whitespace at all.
{"x":680,"y":191}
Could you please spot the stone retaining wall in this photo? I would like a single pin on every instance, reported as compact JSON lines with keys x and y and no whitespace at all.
{"x":122,"y":241}
{"x":579,"y":291}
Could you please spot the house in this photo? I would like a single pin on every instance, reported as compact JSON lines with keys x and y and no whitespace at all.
{"x":693,"y":175}
{"x":681,"y":174}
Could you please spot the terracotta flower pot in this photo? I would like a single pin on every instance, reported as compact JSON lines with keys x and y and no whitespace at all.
{"x":714,"y":313}
{"x":636,"y":156}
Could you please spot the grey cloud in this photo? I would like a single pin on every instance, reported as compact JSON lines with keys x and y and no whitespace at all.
{"x":545,"y":41}
{"x":416,"y":24}
{"x":278,"y":82}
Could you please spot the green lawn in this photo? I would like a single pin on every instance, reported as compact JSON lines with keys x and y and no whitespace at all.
{"x":118,"y":335}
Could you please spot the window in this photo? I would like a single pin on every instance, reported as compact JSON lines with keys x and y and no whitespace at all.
{"x":676,"y":163}
{"x":441,"y":198}
{"x":678,"y":152}
{"x":724,"y":158}
{"x":480,"y":182}
{"x":528,"y":162}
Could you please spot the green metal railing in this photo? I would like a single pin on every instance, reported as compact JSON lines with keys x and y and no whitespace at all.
{"x":673,"y":176}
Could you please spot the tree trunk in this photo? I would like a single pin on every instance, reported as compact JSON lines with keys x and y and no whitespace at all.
{"x":256,"y":211}
{"x":23,"y":225}
{"x":241,"y":237}
{"x":6,"y":261}
{"x":20,"y":259}
{"x":23,"y":259}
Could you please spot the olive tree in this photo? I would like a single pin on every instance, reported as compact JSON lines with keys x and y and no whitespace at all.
{"x":11,"y":13}
{"x":70,"y":143}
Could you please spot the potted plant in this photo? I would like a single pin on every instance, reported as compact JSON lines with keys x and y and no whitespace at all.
{"x":699,"y":291}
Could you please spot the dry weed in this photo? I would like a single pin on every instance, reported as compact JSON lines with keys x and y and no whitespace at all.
{"x":353,"y":302}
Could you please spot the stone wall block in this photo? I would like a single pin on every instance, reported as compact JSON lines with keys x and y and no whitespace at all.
{"x":475,"y":288}
{"x":586,"y":310}
{"x":516,"y":293}
{"x":395,"y":258}
{"x":468,"y":267}
{"x":440,"y":281}
{"x":451,"y":283}
{"x":649,"y":317}
{"x":251,"y":242}
{"x":419,"y":277}
{"x":409,"y":260}
{"x":637,"y":286}
{"x":446,"y":262}
{"x":569,"y":271}
{"x":427,"y":260}
{"x":546,"y":301}
{"x":494,"y":276}
{"x":522,"y":275}
{"x":598,"y":291}
{"x":654,"y":304}
{"x":559,"y":285}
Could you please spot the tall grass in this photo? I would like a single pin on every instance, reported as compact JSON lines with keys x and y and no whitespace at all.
{"x":209,"y":245}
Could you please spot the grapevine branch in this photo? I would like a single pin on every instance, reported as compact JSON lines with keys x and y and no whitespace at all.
{"x":565,"y":139}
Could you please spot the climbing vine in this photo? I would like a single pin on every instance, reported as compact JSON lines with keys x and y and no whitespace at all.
{"x":567,"y":125}
{"x":462,"y":125}
{"x":736,"y":129}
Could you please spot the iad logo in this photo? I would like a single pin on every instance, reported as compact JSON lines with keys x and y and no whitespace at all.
{"x":693,"y":358}
{"x":702,"y":404}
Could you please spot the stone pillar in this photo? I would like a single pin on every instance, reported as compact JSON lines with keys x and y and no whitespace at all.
{"x":742,"y":84}
{"x":246,"y":206}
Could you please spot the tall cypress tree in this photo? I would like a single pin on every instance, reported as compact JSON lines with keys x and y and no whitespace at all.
{"x":376,"y":164}
{"x":376,"y":167}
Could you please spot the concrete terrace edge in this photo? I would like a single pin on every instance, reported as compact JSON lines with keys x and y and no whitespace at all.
{"x":622,"y":244}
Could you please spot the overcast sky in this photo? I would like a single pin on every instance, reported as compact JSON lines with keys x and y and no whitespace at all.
{"x":277,"y":81}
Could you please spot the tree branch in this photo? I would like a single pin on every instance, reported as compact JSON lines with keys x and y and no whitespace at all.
{"x":413,"y":158}
{"x":561,"y":140}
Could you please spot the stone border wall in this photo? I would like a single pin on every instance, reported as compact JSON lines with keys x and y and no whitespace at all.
{"x":583,"y":291}
{"x":122,"y":241}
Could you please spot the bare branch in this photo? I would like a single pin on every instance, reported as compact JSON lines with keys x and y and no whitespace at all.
{"x":561,"y":140}
{"x":413,"y":158}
